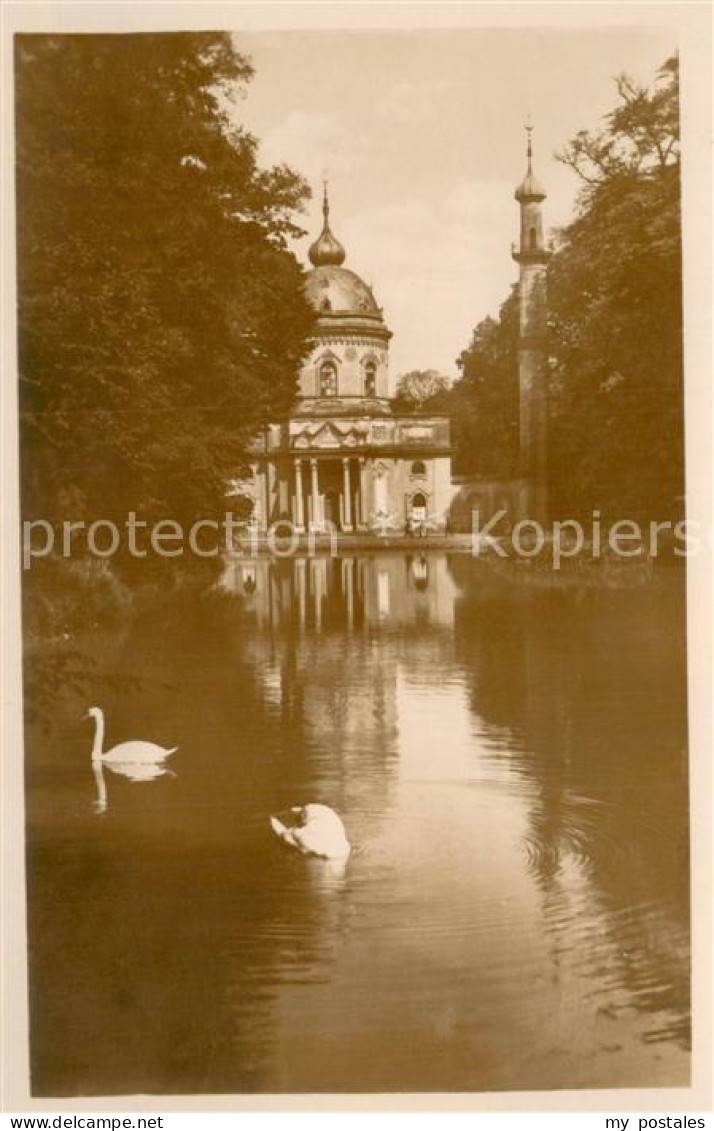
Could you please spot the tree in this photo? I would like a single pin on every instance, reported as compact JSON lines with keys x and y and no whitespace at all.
{"x":484,"y":403}
{"x":616,"y":314}
{"x":641,"y":134}
{"x":420,"y":389}
{"x":161,"y":319}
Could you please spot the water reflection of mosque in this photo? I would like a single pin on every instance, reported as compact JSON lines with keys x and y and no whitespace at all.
{"x":351,"y":591}
{"x":327,"y":637}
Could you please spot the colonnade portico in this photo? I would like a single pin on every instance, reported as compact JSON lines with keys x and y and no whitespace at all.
{"x":310,"y":492}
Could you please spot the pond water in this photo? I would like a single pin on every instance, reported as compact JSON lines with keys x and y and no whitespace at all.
{"x":509,"y":759}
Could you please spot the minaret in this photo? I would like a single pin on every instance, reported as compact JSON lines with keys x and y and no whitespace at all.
{"x":532,"y":257}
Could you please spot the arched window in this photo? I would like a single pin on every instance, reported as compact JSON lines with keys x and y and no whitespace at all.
{"x":370,"y":379}
{"x":328,"y":379}
{"x":419,"y":468}
{"x":533,"y":239}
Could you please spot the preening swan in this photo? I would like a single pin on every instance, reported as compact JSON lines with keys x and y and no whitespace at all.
{"x":138,"y":761}
{"x":126,"y":753}
{"x":316,"y":830}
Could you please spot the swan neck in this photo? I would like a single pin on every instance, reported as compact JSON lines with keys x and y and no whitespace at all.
{"x":98,"y":738}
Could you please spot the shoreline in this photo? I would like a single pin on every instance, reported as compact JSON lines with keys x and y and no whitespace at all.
{"x":500,"y":549}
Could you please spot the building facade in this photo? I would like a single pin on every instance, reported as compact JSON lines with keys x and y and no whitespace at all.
{"x":346,"y":460}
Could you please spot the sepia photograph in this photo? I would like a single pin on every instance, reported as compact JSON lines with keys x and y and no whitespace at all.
{"x":356,"y":548}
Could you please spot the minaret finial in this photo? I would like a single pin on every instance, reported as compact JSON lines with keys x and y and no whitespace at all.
{"x":529,"y":188}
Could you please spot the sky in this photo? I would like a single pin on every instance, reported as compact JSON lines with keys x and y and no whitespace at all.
{"x":421,"y":134}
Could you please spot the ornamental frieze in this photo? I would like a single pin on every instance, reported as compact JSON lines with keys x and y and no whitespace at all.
{"x":348,"y":340}
{"x":356,"y":432}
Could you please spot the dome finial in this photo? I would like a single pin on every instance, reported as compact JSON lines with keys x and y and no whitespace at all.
{"x":530,"y":188}
{"x":326,"y":250}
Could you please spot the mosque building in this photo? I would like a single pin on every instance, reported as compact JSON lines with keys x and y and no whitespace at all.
{"x":347,"y":460}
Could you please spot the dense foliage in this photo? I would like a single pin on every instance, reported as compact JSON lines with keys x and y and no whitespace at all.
{"x":615,"y":302}
{"x":484,"y":403}
{"x":419,"y":387}
{"x":161,"y":318}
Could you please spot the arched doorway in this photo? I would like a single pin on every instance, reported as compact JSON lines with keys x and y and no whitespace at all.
{"x":418,"y":511}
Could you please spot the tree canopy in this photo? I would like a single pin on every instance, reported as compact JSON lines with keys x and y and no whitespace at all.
{"x":420,"y":388}
{"x":484,"y":402}
{"x":162,"y":320}
{"x":615,"y":322}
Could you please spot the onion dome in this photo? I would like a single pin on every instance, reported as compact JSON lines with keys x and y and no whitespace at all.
{"x":530,"y":187}
{"x":326,"y":250}
{"x":344,"y":303}
{"x":339,"y":291}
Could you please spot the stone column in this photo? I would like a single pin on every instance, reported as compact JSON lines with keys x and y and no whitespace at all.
{"x":381,"y":490}
{"x":299,"y":501}
{"x":347,"y":506}
{"x":363,"y":504}
{"x":314,"y":495}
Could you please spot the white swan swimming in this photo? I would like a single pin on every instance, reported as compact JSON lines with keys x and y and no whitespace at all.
{"x":317,"y":831}
{"x":137,"y":760}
